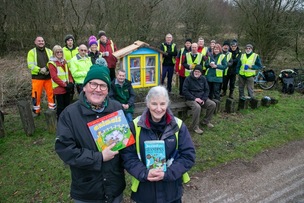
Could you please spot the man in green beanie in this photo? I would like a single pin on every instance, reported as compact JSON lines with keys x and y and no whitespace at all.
{"x":96,"y":176}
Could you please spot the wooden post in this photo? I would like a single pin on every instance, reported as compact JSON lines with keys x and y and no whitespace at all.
{"x":26,"y":117}
{"x":243,"y":104}
{"x":254,"y":103}
{"x":51,"y":120}
{"x":218,"y":106}
{"x":229,"y":107}
{"x":2,"y":132}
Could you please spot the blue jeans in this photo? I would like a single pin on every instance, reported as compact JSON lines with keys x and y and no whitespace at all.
{"x":129,"y":117}
{"x":167,"y":70}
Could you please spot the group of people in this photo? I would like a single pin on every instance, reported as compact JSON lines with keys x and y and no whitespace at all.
{"x":98,"y":176}
{"x":60,"y":70}
{"x":205,"y":73}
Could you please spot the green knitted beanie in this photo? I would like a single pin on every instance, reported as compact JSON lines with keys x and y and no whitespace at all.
{"x":98,"y":72}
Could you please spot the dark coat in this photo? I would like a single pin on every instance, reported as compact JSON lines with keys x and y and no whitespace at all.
{"x":170,"y":188}
{"x":92,"y":179}
{"x":124,"y":94}
{"x":195,"y":88}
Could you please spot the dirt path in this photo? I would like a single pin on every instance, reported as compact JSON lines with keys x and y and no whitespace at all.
{"x":273,"y":176}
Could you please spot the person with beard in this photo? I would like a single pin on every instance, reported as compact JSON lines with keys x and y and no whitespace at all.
{"x":196,"y":92}
{"x":62,"y":80}
{"x":230,"y":74}
{"x":179,"y":68}
{"x":96,"y":176}
{"x":246,"y":68}
{"x":37,"y":59}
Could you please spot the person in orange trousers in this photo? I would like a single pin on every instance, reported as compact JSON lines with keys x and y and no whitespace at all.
{"x":37,"y":59}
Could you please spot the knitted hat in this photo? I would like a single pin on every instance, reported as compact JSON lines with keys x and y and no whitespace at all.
{"x":234,"y":42}
{"x":188,"y":40}
{"x":101,"y":61}
{"x":98,"y":72}
{"x":226,"y":43}
{"x":198,"y":67}
{"x":92,"y":40}
{"x":101,"y":33}
{"x":67,"y":37}
{"x":249,"y":45}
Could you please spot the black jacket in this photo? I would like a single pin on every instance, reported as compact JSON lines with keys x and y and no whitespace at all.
{"x":195,"y":88}
{"x":92,"y":179}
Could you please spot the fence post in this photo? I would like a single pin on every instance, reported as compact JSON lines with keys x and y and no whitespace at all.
{"x":26,"y":117}
{"x":51,"y":120}
{"x":229,"y":107}
{"x":2,"y":132}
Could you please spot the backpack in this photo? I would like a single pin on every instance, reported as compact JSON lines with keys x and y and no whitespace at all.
{"x":287,"y":79}
{"x":269,"y":75}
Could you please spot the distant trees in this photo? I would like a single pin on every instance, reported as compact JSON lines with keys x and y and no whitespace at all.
{"x":271,"y":25}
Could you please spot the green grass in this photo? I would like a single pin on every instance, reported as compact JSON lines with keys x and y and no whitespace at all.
{"x":30,"y":170}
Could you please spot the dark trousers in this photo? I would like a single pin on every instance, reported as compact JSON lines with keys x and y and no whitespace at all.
{"x":63,"y":100}
{"x":167,"y":71}
{"x":214,"y":90}
{"x":112,"y":73}
{"x":181,"y":83}
{"x":229,"y":79}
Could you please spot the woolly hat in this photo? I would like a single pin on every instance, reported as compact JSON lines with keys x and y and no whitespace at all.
{"x":188,"y":40}
{"x":92,"y":40}
{"x":226,"y":43}
{"x":67,"y":37}
{"x":98,"y":72}
{"x":249,"y":45}
{"x":101,"y":61}
{"x":234,"y":43}
{"x":101,"y":33}
{"x":198,"y":67}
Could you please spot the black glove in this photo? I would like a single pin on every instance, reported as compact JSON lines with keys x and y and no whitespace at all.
{"x":69,"y":87}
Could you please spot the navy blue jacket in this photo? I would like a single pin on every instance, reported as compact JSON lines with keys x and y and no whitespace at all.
{"x":170,"y":188}
{"x":195,"y":88}
{"x":92,"y":179}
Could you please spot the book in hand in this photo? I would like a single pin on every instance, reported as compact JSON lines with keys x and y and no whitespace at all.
{"x":112,"y":128}
{"x":155,"y":154}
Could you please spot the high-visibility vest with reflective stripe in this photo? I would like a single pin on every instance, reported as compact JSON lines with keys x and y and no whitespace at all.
{"x":172,"y":49}
{"x":218,"y":72}
{"x":135,"y":182}
{"x":197,"y":60}
{"x":204,"y":51}
{"x":32,"y":60}
{"x":248,"y":61}
{"x":180,"y":58}
{"x":62,"y":74}
{"x":228,"y":57}
{"x":112,"y":46}
{"x":68,"y":54}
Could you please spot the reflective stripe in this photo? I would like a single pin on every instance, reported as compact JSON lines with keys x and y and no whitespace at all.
{"x":197,"y":60}
{"x":218,"y":72}
{"x":172,"y":49}
{"x":248,"y":61}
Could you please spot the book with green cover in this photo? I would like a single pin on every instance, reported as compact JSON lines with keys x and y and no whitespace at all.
{"x":155,"y":154}
{"x":112,"y":128}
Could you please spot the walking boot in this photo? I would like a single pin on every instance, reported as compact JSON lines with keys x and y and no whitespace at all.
{"x":223,"y":94}
{"x":231,"y":95}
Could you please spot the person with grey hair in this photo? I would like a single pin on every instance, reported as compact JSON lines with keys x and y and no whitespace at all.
{"x":62,"y":81}
{"x":79,"y":67}
{"x":247,"y":66}
{"x":157,"y":122}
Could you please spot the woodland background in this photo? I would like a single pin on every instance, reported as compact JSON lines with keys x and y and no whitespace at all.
{"x":274,"y":27}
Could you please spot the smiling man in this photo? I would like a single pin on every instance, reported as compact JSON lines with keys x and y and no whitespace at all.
{"x":96,"y":176}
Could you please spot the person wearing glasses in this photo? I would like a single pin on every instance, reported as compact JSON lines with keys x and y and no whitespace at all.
{"x":246,"y":68}
{"x":80,"y":65}
{"x":62,"y":81}
{"x":37,"y":59}
{"x":96,"y":176}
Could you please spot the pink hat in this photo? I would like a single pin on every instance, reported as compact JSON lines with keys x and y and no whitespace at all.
{"x":92,"y":40}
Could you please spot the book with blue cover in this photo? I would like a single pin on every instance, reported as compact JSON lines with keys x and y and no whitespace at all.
{"x":112,"y":128}
{"x":155,"y":154}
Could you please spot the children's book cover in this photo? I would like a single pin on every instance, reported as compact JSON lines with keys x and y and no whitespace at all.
{"x":155,"y":154}
{"x":112,"y":128}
